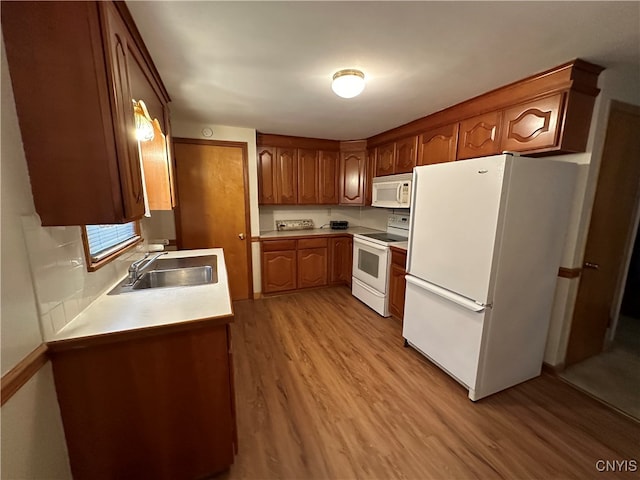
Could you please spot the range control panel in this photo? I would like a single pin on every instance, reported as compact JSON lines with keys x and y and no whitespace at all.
{"x":398,"y":221}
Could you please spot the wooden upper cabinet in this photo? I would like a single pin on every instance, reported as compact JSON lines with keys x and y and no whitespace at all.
{"x":370,"y":168}
{"x":406,"y":154}
{"x":352,"y":177}
{"x":308,"y":184}
{"x":78,"y":128}
{"x":385,"y":159}
{"x":267,"y":176}
{"x":287,"y":176}
{"x":438,"y":145}
{"x":479,"y":136}
{"x":328,"y":168}
{"x":533,"y":126}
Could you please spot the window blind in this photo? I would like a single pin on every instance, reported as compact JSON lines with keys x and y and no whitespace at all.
{"x":106,"y":239}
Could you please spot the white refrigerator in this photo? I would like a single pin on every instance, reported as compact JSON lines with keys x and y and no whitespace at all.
{"x":485,"y":244}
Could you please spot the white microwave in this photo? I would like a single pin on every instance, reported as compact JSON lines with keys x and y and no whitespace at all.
{"x":392,"y":191}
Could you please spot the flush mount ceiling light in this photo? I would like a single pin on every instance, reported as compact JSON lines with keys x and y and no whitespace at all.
{"x":348,"y":83}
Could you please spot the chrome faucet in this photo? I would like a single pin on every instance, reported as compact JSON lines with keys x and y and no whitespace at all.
{"x":137,"y":267}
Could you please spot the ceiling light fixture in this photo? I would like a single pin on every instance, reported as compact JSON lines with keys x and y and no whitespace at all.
{"x":144,"y":125}
{"x":348,"y":83}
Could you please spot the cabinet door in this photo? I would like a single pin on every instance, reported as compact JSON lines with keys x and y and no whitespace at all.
{"x":438,"y":145}
{"x":119,"y":44}
{"x":397,"y":287}
{"x":533,"y":125}
{"x":266,"y":176}
{"x":312,"y":267}
{"x":308,"y":177}
{"x":406,"y":154}
{"x":370,"y":170}
{"x":352,"y":178}
{"x":385,"y":156}
{"x":287,"y":176}
{"x":479,"y":136}
{"x":278,"y":271}
{"x":340,"y":260}
{"x":328,"y":164}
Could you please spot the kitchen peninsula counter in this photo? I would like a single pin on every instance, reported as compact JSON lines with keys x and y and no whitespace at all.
{"x":147,"y":310}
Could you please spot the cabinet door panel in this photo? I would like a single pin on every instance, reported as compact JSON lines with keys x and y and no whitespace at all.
{"x":438,"y":145}
{"x":386,"y":155}
{"x":352,"y":178}
{"x":266,"y":176}
{"x":328,"y":177}
{"x":397,"y":287}
{"x":287,"y":176}
{"x":406,"y":155}
{"x":278,"y":271}
{"x":370,"y":170}
{"x":480,"y":136}
{"x":308,"y":177}
{"x":312,"y":267}
{"x":532,"y":125}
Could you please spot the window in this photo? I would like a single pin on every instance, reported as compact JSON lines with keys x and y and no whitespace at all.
{"x":104,"y":242}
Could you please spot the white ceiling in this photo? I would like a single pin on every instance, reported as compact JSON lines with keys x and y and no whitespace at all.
{"x":268,"y":65}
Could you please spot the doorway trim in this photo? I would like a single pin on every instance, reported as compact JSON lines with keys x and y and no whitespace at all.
{"x":245,"y":179}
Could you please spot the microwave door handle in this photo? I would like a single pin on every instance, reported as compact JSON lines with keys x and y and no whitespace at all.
{"x":399,"y":193}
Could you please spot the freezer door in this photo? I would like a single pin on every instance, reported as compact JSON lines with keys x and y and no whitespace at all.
{"x":446,"y":330}
{"x":453,"y":224}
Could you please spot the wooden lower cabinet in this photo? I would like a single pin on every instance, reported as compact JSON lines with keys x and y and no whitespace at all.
{"x":340,"y":259}
{"x":312,"y":267}
{"x":157,"y":403}
{"x":279,"y":271}
{"x":397,"y":283}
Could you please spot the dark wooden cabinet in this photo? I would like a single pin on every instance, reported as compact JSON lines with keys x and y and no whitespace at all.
{"x":406,"y":154}
{"x":70,"y":66}
{"x":308,"y":177}
{"x":479,"y":136}
{"x":533,"y":126}
{"x":129,"y":399}
{"x":267,"y":176}
{"x":312,"y":262}
{"x":397,"y":283}
{"x":385,"y":156}
{"x":287,"y":176}
{"x":370,"y":168}
{"x":328,"y":168}
{"x":340,"y":260}
{"x":438,"y":145}
{"x":352,"y":177}
{"x":279,"y":266}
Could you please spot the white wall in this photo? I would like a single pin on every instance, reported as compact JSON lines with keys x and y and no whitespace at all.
{"x":321,"y":215}
{"x":32,"y":443}
{"x":617,"y":83}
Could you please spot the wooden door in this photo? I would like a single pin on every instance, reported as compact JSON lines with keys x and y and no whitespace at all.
{"x":352,"y":177}
{"x":386,"y":155}
{"x":328,"y":165}
{"x":312,"y":267}
{"x":611,"y":225}
{"x":406,"y":155}
{"x":480,"y":136}
{"x":287,"y":176}
{"x":533,"y":125}
{"x":266,"y":176}
{"x":213,"y":206}
{"x":308,"y":185}
{"x":278,"y":271}
{"x":438,"y":145}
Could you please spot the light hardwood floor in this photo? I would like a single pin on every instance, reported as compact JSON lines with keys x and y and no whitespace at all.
{"x":325,"y":390}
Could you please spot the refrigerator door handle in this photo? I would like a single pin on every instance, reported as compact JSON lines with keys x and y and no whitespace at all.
{"x":448,"y":295}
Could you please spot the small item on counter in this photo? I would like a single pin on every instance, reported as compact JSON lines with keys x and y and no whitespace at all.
{"x":339,"y":224}
{"x":306,"y":224}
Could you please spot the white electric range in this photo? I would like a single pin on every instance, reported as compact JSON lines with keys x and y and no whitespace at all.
{"x":372,"y":260}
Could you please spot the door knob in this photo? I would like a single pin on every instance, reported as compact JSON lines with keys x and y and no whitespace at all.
{"x":241,"y":236}
{"x":594,"y":266}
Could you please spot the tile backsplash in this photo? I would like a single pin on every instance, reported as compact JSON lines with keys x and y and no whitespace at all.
{"x":63,"y":286}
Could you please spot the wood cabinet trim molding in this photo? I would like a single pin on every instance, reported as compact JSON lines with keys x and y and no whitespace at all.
{"x":14,"y":379}
{"x":286,"y":141}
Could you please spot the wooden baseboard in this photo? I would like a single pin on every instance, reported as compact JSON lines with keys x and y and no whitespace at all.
{"x":553,"y":369}
{"x":569,"y":272}
{"x":257,"y":295}
{"x":15,"y":378}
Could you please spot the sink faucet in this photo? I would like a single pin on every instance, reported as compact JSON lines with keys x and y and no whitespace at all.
{"x":137,"y":267}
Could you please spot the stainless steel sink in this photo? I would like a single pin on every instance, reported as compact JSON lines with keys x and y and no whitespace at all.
{"x":174,"y":272}
{"x":179,"y":277}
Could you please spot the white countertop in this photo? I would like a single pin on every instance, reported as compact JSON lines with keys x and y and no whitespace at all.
{"x":274,"y":234}
{"x":153,"y":307}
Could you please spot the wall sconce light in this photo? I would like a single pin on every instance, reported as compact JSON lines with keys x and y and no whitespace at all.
{"x":348,"y":83}
{"x":144,"y":125}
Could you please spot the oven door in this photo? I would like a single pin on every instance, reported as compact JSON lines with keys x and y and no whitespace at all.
{"x":371,"y":264}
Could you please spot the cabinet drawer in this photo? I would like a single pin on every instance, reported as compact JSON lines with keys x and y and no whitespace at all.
{"x":312,"y":243}
{"x":278,"y":245}
{"x":399,"y":258}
